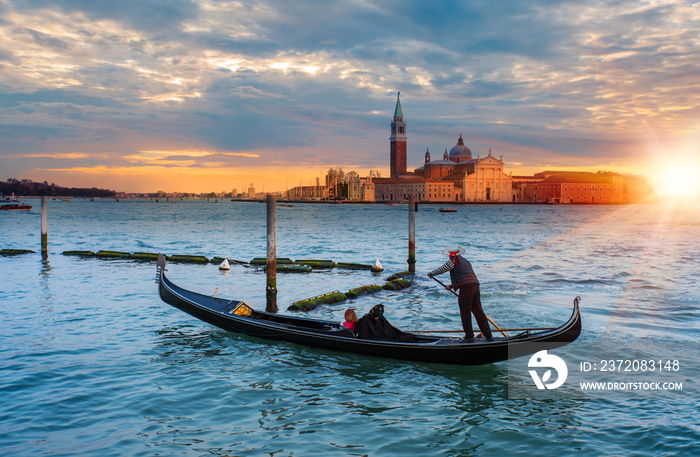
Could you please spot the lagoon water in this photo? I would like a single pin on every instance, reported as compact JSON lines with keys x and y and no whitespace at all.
{"x":92,"y":362}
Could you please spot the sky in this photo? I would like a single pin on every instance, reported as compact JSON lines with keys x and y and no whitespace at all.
{"x":202,"y":95}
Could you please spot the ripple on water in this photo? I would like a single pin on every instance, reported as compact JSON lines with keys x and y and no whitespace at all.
{"x":93,"y":363}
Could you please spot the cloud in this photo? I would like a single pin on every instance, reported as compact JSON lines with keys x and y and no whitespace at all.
{"x":316,"y":83}
{"x":148,"y":15}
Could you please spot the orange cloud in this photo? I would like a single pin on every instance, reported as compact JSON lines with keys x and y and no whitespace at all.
{"x":68,"y":155}
{"x":185,"y":179}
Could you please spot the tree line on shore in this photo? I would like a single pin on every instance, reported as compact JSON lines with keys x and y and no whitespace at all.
{"x":29,"y":188}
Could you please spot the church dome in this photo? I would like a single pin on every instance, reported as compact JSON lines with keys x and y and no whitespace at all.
{"x":460,"y":151}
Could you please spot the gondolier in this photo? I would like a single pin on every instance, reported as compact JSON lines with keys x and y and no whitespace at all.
{"x":464,"y":279}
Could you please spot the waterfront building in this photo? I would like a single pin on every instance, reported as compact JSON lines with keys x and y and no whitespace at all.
{"x":307,"y":193}
{"x":636,"y":189}
{"x":360,"y":189}
{"x":582,"y":187}
{"x":457,"y":177}
{"x":424,"y":189}
{"x":478,"y":180}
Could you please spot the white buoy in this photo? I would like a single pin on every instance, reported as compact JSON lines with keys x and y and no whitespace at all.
{"x":377,"y":266}
{"x":224,"y":265}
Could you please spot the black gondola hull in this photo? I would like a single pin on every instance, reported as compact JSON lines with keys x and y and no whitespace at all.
{"x":329,"y":335}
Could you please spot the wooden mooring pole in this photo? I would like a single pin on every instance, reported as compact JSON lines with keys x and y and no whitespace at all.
{"x":271,"y":289}
{"x":44,"y":228}
{"x":412,"y":234}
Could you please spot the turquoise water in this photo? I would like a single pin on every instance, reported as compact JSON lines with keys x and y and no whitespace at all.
{"x":94,"y":363}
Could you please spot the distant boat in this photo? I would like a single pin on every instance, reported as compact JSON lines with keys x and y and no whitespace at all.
{"x":448,"y":210}
{"x":559,"y":201}
{"x":285,"y":205}
{"x":17,"y":206}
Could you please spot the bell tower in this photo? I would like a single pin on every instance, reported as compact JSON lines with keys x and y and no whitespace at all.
{"x":397,"y":151}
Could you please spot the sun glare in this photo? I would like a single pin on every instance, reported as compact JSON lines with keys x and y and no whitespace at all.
{"x":679,"y":182}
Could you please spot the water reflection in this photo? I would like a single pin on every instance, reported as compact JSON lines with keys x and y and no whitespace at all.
{"x":292,"y":392}
{"x":46,"y":302}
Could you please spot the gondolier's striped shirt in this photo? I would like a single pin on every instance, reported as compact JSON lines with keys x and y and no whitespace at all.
{"x":461,"y":273}
{"x":444,"y":268}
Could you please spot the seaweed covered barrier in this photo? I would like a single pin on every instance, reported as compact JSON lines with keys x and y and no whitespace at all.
{"x":284,"y":264}
{"x":292,"y":268}
{"x":354,"y":266}
{"x":311,"y":303}
{"x":396,"y":281}
{"x":13,"y":252}
{"x":188,"y":259}
{"x":326,"y":264}
{"x":142,"y":256}
{"x":316,"y":264}
{"x":397,"y":284}
{"x":260,"y":261}
{"x":363,"y":290}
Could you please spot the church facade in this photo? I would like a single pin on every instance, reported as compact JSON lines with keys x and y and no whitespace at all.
{"x":457,"y":177}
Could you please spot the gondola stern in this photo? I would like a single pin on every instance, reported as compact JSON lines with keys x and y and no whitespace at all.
{"x":576,"y":316}
{"x":571,"y":330}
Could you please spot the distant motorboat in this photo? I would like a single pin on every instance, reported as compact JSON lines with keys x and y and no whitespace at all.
{"x":15,"y":206}
{"x":448,"y":210}
{"x":285,"y":205}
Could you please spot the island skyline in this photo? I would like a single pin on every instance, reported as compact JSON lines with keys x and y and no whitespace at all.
{"x":203,"y":97}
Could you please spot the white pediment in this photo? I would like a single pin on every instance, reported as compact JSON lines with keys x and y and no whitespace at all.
{"x":490,"y":161}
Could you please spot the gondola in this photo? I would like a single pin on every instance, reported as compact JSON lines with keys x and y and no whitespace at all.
{"x":237,"y":316}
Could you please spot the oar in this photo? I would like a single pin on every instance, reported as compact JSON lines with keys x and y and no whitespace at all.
{"x":462,"y":331}
{"x":494,"y":324}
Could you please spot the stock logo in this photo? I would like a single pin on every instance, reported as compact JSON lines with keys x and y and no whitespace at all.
{"x":543,"y":360}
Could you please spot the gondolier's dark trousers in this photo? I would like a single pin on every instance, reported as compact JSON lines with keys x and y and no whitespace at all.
{"x":470,"y":302}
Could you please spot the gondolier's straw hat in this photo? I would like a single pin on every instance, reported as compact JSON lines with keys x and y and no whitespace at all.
{"x":454,"y":250}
